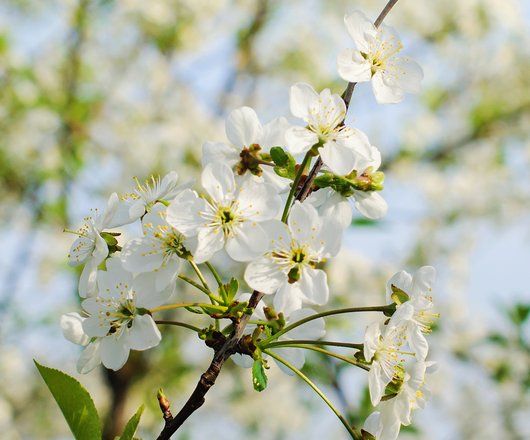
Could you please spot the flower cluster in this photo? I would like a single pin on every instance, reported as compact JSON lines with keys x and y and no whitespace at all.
{"x":249,"y":206}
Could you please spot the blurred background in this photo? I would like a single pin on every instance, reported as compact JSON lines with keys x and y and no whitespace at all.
{"x":95,"y":92}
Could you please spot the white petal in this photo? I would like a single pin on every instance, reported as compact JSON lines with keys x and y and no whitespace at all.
{"x":93,"y":326}
{"x":168,"y":186}
{"x":314,"y":286}
{"x":375,"y":383}
{"x":259,"y":201}
{"x":218,"y":181}
{"x":371,"y":339}
{"x":243,"y":127}
{"x":353,"y":67}
{"x":219,"y":152}
{"x":288,"y":298}
{"x":301,"y":96}
{"x":147,"y":295}
{"x":339,"y":158}
{"x":90,"y":358}
{"x":183,"y":213}
{"x":370,"y":204}
{"x":407,"y":74}
{"x":248,"y":242}
{"x":303,"y":222}
{"x":114,"y":352}
{"x":142,"y":255}
{"x":209,"y":241}
{"x":72,"y":327}
{"x":360,"y":29}
{"x":143,"y":333}
{"x":105,"y":219}
{"x":300,"y":139}
{"x":385,"y":91}
{"x":373,"y":424}
{"x":417,"y":341}
{"x":88,"y":279}
{"x":402,"y":280}
{"x":81,"y":250}
{"x":423,"y":280}
{"x":273,"y":133}
{"x":264,"y":275}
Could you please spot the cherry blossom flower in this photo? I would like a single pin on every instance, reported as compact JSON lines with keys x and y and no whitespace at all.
{"x":90,"y":248}
{"x":289,"y":268}
{"x":159,"y":252}
{"x":134,"y":205}
{"x":231,"y":215}
{"x":342,"y":148}
{"x":248,"y":140}
{"x":385,"y":423}
{"x":386,"y":346}
{"x":117,"y":320}
{"x":418,"y":287}
{"x":375,"y":58}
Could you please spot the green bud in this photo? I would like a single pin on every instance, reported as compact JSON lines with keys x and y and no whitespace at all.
{"x":259,"y":378}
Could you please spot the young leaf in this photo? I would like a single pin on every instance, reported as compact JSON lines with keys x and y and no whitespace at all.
{"x":74,"y":401}
{"x":132,"y":424}
{"x":279,"y":157}
{"x":259,"y":378}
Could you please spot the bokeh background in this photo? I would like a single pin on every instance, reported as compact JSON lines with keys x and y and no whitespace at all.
{"x":94,"y":92}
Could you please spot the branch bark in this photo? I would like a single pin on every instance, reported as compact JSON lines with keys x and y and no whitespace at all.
{"x":221,"y":355}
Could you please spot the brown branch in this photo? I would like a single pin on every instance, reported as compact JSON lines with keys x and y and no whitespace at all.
{"x":229,"y":347}
{"x":208,"y":378}
{"x":305,"y":189}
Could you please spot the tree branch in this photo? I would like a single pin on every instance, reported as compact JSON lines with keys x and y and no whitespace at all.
{"x":221,"y":355}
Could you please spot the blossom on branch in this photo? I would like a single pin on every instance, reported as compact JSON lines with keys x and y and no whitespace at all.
{"x":375,"y":59}
{"x":289,"y":268}
{"x":230,"y":215}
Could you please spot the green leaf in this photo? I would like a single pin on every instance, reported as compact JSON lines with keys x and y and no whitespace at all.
{"x":231,"y":289}
{"x":132,"y":424}
{"x":259,"y":378}
{"x":74,"y":401}
{"x":285,"y":163}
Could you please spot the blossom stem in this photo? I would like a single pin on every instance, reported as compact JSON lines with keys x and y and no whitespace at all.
{"x":294,"y":187}
{"x":214,"y":273}
{"x":352,"y":430}
{"x":191,"y":304}
{"x":179,"y":324}
{"x":310,"y":342}
{"x":331,"y":354}
{"x":206,"y":289}
{"x":328,"y":313}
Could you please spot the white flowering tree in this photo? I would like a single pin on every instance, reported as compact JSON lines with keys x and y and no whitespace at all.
{"x":276,"y":199}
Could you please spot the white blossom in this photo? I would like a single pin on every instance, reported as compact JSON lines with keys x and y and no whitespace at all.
{"x":231,"y":215}
{"x":246,"y":134}
{"x":342,"y":148}
{"x":90,"y":248}
{"x":385,"y":423}
{"x":375,"y":58}
{"x":134,"y":205}
{"x":158,"y":253}
{"x":387,"y":346}
{"x":418,"y":287}
{"x":289,"y":268}
{"x":116,"y":320}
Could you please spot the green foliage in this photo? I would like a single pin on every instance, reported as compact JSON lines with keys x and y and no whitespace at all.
{"x":229,"y":290}
{"x":74,"y":401}
{"x":399,"y":296}
{"x":132,"y":424}
{"x":259,"y":378}
{"x":519,"y":313}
